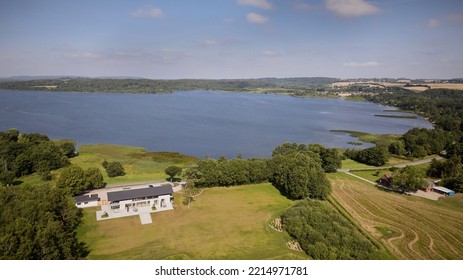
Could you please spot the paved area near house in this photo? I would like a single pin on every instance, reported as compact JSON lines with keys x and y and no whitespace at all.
{"x":145,"y":218}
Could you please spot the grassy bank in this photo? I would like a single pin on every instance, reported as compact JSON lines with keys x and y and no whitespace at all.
{"x":222,"y":223}
{"x":378,"y":139}
{"x":138,"y":163}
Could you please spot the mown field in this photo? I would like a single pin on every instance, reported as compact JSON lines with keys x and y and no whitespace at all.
{"x":222,"y":223}
{"x":410,"y":227}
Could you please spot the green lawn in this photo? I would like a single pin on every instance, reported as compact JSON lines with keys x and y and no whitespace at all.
{"x":139,"y":164}
{"x":222,"y":223}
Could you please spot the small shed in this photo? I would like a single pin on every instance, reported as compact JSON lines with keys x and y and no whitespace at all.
{"x":443,"y":190}
{"x":83,"y":201}
{"x":386,"y":180}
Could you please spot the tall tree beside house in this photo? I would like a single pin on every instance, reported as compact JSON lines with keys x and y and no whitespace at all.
{"x":173,"y":171}
{"x":94,"y":178}
{"x":39,"y":223}
{"x":409,"y":178}
{"x":72,"y":178}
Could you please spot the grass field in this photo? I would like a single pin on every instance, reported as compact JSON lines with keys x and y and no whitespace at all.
{"x":222,"y":223}
{"x":139,"y":164}
{"x":410,"y":227}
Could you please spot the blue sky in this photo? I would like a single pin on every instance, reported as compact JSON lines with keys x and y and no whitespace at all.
{"x":170,"y":39}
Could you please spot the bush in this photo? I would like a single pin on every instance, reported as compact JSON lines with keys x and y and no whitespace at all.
{"x":115,"y":169}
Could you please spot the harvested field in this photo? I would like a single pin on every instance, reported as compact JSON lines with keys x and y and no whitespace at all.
{"x":410,"y":227}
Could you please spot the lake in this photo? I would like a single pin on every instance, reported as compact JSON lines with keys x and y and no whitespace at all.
{"x":196,"y":123}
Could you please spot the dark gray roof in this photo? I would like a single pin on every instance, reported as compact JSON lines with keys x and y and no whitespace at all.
{"x":86,"y":198}
{"x":137,"y":193}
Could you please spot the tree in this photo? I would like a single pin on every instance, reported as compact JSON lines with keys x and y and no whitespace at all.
{"x":115,"y":169}
{"x":298,"y":176}
{"x":173,"y":171}
{"x":73,"y":179}
{"x":409,"y":178}
{"x":7,"y":177}
{"x":94,"y":178}
{"x":39,"y":223}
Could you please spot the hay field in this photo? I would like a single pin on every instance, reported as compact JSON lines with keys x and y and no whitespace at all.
{"x":222,"y":223}
{"x":446,"y":86}
{"x":410,"y":227}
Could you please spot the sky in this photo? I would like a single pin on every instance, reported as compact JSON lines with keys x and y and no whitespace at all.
{"x":225,"y":39}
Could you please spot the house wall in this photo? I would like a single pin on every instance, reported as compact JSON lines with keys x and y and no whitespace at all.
{"x":87,"y":204}
{"x":163,"y":201}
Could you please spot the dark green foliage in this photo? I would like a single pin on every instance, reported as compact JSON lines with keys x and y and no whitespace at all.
{"x":297,"y":86}
{"x":325,"y":234}
{"x":72,"y":178}
{"x":94,"y":178}
{"x":445,"y":168}
{"x":115,"y":169}
{"x":39,"y":223}
{"x":24,"y":154}
{"x":173,"y":171}
{"x":298,"y":176}
{"x":420,"y":142}
{"x":409,"y":178}
{"x":329,"y":159}
{"x":375,"y":156}
{"x":68,"y":148}
{"x":397,"y":148}
{"x":228,"y":172}
{"x":7,"y":177}
{"x":454,"y":183}
{"x":76,"y":180}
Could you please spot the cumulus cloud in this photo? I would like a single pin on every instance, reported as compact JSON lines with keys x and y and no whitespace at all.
{"x":362,"y":64}
{"x":256,"y":18}
{"x":433,"y":23}
{"x":150,"y":12}
{"x":351,"y":8}
{"x":263,"y":4}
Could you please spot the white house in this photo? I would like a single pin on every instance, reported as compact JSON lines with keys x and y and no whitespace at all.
{"x":141,"y":199}
{"x":83,"y":201}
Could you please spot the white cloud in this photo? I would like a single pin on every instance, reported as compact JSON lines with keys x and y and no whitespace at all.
{"x":433,"y":23}
{"x":263,"y":4}
{"x":151,"y":12}
{"x":256,"y":18}
{"x":362,"y":64}
{"x":351,"y":8}
{"x":269,"y":53}
{"x":210,"y":42}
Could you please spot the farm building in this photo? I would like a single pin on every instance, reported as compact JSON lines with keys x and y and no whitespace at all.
{"x":386,"y":180}
{"x":83,"y":201}
{"x":443,"y":190}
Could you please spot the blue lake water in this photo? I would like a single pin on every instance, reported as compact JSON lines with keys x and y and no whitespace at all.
{"x":197,"y":123}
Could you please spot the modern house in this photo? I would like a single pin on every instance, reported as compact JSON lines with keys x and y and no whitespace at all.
{"x":132,"y":200}
{"x":139,"y":201}
{"x":83,"y":201}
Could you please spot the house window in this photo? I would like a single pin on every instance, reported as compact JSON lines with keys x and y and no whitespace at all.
{"x":78,"y":203}
{"x":115,"y":206}
{"x":86,"y":202}
{"x":149,"y":202}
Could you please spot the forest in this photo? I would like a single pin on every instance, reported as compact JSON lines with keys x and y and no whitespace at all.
{"x":288,"y":85}
{"x":444,"y":108}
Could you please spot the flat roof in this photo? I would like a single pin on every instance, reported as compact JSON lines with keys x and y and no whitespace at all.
{"x":137,"y":193}
{"x":86,"y":198}
{"x":443,"y":189}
